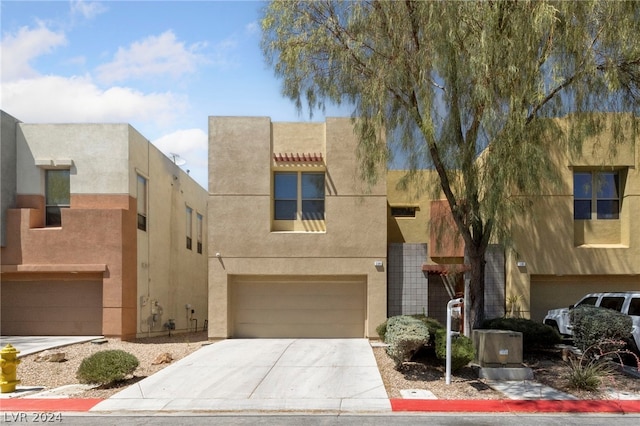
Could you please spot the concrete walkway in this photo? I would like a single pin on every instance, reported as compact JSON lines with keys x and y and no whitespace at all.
{"x":255,"y":375}
{"x":28,"y":345}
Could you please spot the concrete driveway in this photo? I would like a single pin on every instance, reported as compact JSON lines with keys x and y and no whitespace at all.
{"x":326,"y":375}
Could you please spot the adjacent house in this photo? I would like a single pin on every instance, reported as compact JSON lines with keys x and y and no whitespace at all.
{"x":582,"y":236}
{"x":297,"y":242}
{"x":102,"y":234}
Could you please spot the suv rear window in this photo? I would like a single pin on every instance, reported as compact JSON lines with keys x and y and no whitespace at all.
{"x":588,"y":301}
{"x":634,"y":306}
{"x":614,"y":303}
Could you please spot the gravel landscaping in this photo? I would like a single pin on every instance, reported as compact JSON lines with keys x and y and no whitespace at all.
{"x":425,"y":374}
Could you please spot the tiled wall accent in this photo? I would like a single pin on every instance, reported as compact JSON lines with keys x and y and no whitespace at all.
{"x":494,"y":282}
{"x":407,"y":284}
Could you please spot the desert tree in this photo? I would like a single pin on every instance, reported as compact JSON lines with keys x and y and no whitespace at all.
{"x":464,"y":88}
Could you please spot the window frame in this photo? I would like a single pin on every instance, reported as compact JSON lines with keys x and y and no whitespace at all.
{"x":199,"y":232}
{"x":141,"y":204}
{"x":189,"y":226}
{"x":594,"y":195}
{"x":308,"y":200}
{"x":54,"y":209}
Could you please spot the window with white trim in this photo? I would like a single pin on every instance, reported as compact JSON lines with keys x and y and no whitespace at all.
{"x":596,"y":195}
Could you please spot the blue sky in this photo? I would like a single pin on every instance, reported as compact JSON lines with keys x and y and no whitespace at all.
{"x":162,"y":66}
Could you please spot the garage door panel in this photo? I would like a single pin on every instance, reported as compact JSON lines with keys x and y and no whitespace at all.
{"x":55,"y":307}
{"x":305,"y":308}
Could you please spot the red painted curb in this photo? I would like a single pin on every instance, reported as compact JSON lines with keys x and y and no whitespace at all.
{"x":50,"y":404}
{"x":519,"y":406}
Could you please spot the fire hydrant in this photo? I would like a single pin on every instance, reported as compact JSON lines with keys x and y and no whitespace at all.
{"x":9,"y":364}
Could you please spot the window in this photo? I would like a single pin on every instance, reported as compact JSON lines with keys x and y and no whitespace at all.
{"x":614,"y":303}
{"x":403,"y":211}
{"x":142,"y":203}
{"x":596,"y":194}
{"x":57,"y":195}
{"x":189,"y":220}
{"x":199,"y":231}
{"x":634,"y":306}
{"x":298,"y":196}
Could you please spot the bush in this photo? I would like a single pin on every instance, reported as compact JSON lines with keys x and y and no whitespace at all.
{"x":535,"y":335}
{"x":433,"y":325}
{"x":106,"y":367}
{"x":405,"y":336}
{"x":592,"y":325}
{"x":382,"y":330}
{"x":462,"y":351}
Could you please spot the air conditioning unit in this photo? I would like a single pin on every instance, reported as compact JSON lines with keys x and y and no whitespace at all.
{"x":498,"y":348}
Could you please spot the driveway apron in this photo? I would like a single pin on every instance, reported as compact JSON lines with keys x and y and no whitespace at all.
{"x":334,"y":375}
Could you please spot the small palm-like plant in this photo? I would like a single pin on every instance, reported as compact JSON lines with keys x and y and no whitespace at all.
{"x":587,"y":371}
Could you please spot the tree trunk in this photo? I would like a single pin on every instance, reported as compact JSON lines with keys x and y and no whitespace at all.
{"x":474,"y":288}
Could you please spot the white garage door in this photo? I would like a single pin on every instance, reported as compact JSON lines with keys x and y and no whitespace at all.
{"x":298,"y":307}
{"x":52,"y":308}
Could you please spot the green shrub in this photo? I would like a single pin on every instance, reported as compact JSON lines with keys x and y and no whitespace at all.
{"x":382,"y":330}
{"x":592,"y":325}
{"x":535,"y":335}
{"x":462,"y":351}
{"x":106,"y":367}
{"x":433,"y":325}
{"x":405,"y":336}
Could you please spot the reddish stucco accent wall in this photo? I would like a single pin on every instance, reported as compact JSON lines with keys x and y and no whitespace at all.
{"x":97,"y":229}
{"x":444,"y":238}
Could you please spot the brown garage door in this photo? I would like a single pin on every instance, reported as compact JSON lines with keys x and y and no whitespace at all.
{"x":298,"y":307}
{"x":52,"y":308}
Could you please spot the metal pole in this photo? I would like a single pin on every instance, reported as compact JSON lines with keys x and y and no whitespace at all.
{"x":450,"y":304}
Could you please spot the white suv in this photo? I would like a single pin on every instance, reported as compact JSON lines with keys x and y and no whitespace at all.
{"x":626,"y":302}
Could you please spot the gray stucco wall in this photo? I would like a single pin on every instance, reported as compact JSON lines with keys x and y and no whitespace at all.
{"x":8,"y":167}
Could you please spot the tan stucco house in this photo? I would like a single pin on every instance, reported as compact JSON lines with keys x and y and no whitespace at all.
{"x":297,"y":243}
{"x":102,"y":234}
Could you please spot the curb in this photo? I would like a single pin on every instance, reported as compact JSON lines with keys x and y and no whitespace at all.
{"x":49,"y":404}
{"x":397,"y":405}
{"x":517,"y":406}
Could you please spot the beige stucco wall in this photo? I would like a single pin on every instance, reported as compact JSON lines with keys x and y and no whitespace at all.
{"x":240,"y":212}
{"x":553,"y":244}
{"x":170,"y":276}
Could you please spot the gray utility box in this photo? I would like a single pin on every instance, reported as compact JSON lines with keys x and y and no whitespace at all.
{"x":498,"y":348}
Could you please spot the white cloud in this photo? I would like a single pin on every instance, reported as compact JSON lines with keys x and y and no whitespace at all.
{"x":87,"y":10}
{"x":191,"y":145}
{"x":153,"y":56}
{"x":78,"y":99}
{"x":20,"y":49}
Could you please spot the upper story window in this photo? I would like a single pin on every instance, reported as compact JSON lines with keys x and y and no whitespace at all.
{"x":57,"y":195}
{"x":596,"y":195}
{"x":298,"y":197}
{"x":199,"y":232}
{"x":142,"y":203}
{"x":189,"y":225}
